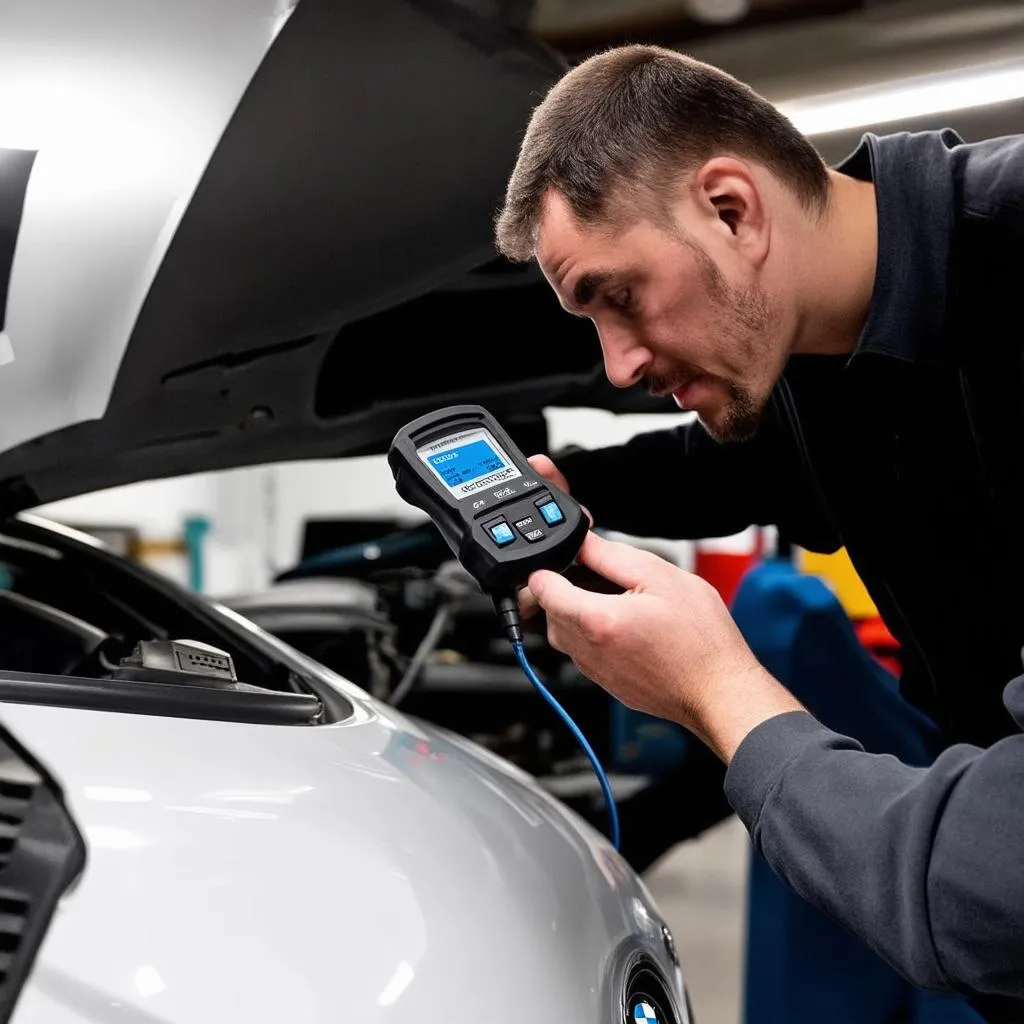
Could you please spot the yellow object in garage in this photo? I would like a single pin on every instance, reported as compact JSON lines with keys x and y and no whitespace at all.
{"x":838,"y":571}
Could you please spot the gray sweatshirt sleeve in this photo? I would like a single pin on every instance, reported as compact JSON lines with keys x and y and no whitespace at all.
{"x":926,"y":865}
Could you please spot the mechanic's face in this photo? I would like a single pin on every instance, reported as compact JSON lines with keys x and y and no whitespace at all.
{"x":667,"y":314}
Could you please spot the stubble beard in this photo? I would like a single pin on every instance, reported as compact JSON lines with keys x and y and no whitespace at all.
{"x":745,"y":317}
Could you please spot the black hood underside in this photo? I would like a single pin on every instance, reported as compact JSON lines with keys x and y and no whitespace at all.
{"x":306,"y":307}
{"x":334,"y":394}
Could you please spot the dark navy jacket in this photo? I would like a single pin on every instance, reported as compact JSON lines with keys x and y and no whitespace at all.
{"x":910,"y":453}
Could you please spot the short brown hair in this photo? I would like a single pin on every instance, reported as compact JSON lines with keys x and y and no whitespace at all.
{"x":617,"y":131}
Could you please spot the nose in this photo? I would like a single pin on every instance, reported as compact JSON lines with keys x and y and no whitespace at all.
{"x":625,"y":360}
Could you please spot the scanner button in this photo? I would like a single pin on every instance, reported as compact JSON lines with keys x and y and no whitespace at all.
{"x":525,"y":524}
{"x":530,"y":528}
{"x":551,"y":512}
{"x":502,"y":534}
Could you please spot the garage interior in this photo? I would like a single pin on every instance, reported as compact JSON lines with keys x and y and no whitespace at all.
{"x":289,"y":538}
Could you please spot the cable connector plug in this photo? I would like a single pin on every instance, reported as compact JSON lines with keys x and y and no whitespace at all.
{"x":508,"y":611}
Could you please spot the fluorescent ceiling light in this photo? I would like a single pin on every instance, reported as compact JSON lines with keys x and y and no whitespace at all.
{"x":907,"y":98}
{"x":717,"y":12}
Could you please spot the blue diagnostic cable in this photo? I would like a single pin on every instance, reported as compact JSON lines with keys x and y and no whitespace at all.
{"x":508,"y":610}
{"x":613,"y":811}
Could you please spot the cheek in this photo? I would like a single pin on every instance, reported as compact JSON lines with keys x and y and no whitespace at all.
{"x":688,"y":306}
{"x":686,"y":332}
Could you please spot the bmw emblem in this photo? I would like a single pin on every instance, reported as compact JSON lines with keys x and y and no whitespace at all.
{"x":645,"y":997}
{"x":644,"y":1013}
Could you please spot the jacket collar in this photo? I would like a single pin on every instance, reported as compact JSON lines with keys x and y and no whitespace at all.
{"x":915,"y":198}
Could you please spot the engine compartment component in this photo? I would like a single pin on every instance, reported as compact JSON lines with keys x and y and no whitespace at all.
{"x":184,"y":662}
{"x":337,"y":622}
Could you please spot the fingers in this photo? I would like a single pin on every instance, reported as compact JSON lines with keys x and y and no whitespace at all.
{"x":549,"y":471}
{"x":528,"y":606}
{"x":620,"y":563}
{"x":564,"y":602}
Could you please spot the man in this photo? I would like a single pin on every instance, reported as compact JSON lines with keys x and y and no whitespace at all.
{"x":847,"y":340}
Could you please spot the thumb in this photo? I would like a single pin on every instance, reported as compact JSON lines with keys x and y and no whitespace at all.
{"x":559,"y":598}
{"x":547,"y":469}
{"x":620,"y":563}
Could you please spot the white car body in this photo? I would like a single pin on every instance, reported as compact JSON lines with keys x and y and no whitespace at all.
{"x":355,"y":864}
{"x":371,"y":870}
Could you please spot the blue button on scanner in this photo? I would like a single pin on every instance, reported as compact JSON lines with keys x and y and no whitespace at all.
{"x":502,"y":534}
{"x":551,"y":512}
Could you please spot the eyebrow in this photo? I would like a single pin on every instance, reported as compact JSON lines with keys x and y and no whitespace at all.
{"x":584,"y":289}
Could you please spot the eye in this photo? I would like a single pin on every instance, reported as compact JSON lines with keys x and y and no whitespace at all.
{"x":621,"y":300}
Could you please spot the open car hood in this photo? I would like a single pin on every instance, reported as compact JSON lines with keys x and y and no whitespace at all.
{"x":241,"y":231}
{"x":245,"y":231}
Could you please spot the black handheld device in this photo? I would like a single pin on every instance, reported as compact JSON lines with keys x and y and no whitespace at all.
{"x":500,"y":518}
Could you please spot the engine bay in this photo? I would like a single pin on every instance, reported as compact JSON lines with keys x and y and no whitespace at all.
{"x":79,"y":627}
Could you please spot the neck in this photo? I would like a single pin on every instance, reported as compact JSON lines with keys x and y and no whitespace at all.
{"x":839,"y":270}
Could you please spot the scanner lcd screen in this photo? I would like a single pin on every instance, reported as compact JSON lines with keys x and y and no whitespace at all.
{"x":468,"y":462}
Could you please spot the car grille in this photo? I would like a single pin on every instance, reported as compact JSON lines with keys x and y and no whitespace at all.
{"x":15,"y":798}
{"x":41,"y":853}
{"x":14,"y":910}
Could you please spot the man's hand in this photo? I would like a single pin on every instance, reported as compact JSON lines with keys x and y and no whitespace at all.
{"x":547,"y":469}
{"x":667,"y":646}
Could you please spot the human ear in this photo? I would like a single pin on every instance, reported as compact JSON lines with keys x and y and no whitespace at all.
{"x":727,"y":193}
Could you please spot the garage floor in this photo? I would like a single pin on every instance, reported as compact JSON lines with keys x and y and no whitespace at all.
{"x":701,"y":889}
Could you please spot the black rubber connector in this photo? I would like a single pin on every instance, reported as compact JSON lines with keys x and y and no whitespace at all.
{"x":508,"y":611}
